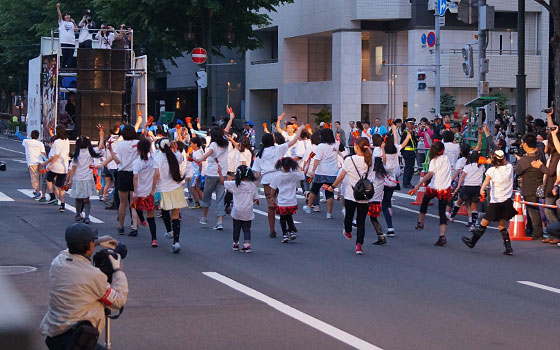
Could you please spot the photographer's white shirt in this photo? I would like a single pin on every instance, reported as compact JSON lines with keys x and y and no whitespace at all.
{"x":105,"y":41}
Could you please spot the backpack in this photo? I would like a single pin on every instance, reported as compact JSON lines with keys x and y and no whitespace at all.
{"x":363,"y":189}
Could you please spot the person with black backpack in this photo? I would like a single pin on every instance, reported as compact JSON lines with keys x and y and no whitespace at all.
{"x":438,"y":180}
{"x":358,"y":191}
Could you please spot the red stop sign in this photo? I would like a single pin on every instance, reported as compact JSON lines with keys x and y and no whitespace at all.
{"x":199,"y":55}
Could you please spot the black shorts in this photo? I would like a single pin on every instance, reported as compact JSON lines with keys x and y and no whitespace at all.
{"x":107,"y":173}
{"x":58,"y":179}
{"x":470,"y":194}
{"x":125,"y":181}
{"x":500,"y":211}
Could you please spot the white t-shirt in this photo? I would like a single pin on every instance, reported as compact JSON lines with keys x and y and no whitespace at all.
{"x":474,"y":174}
{"x":308,"y":152}
{"x":243,"y":198}
{"x":265,"y":164}
{"x":186,"y":166}
{"x":62,"y":148}
{"x":452,"y":151}
{"x":378,"y":186}
{"x":352,"y":176}
{"x":460,"y":163}
{"x":145,"y":171}
{"x":66,"y":32}
{"x":442,"y":173}
{"x":221,"y":154}
{"x":287,"y":184}
{"x":166,"y":182}
{"x":197,"y":155}
{"x":34,"y":150}
{"x":392,"y":167}
{"x":126,"y":153}
{"x":105,"y":41}
{"x":300,"y":151}
{"x":327,"y":156}
{"x":232,"y":158}
{"x":114,"y":139}
{"x":84,"y":33}
{"x":501,"y":185}
{"x":245,"y":156}
{"x":83,"y":172}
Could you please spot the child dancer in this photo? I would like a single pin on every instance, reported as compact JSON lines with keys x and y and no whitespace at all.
{"x":80,"y":177}
{"x":286,"y":183}
{"x":471,"y":179}
{"x":378,"y":181}
{"x":245,"y":193}
{"x":144,"y":187}
{"x":58,"y":168}
{"x":500,"y":179}
{"x":440,"y":186}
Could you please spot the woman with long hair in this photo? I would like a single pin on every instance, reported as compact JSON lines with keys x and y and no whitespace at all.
{"x":80,"y":177}
{"x":142,"y":197}
{"x":264,"y":168}
{"x":324,"y":171}
{"x":198,"y":146}
{"x":58,"y":168}
{"x":354,"y":169}
{"x":169,"y":182}
{"x":378,"y":180}
{"x":439,"y":172}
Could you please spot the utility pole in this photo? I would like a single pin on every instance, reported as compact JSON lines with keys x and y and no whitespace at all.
{"x":438,"y":58}
{"x":209,"y":71}
{"x":482,"y":42}
{"x":521,"y":77}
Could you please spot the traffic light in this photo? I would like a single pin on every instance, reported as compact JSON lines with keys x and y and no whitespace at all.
{"x":201,"y":80}
{"x":468,"y":63}
{"x":421,"y":81}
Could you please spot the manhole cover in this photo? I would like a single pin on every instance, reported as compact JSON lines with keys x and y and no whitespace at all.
{"x":16,"y":270}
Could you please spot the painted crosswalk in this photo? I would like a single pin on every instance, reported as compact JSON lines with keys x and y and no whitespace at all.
{"x":29,"y":193}
{"x":5,"y":198}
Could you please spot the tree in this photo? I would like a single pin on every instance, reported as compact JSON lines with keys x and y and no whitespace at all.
{"x":324,"y":115}
{"x":447,"y":104}
{"x":502,"y":101}
{"x":554,"y":9}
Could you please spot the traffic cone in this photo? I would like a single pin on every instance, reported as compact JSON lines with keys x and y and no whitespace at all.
{"x":463,"y":211}
{"x":518,"y":222}
{"x":420,"y":193}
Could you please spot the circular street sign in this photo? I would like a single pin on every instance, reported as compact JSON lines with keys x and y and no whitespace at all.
{"x":199,"y":55}
{"x":423,"y":39}
{"x":431,"y":39}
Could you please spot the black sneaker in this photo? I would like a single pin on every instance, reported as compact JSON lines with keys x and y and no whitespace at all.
{"x":52,"y":201}
{"x":419,"y":226}
{"x":121,"y":231}
{"x":272,"y":235}
{"x":380,"y":240}
{"x":235,"y":246}
{"x":441,"y":242}
{"x":61,"y":208}
{"x":133,"y":233}
{"x":292,"y":236}
{"x":245,"y":249}
{"x":286,"y":239}
{"x":390,"y":233}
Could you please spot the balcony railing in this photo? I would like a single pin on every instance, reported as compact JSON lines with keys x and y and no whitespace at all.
{"x":494,"y":52}
{"x":271,"y":60}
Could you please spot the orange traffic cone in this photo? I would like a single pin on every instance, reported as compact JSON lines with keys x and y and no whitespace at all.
{"x":518,"y":222}
{"x":463,"y":211}
{"x":419,"y":196}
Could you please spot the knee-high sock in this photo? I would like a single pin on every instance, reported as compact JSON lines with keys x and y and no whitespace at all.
{"x":176,"y":223}
{"x":79,"y":206}
{"x":152,"y":224}
{"x":87,"y":207}
{"x":166,"y":216}
{"x":140,"y":214}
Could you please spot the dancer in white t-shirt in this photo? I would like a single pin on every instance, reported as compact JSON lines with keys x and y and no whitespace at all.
{"x":500,"y":209}
{"x":439,"y":173}
{"x":57,"y":166}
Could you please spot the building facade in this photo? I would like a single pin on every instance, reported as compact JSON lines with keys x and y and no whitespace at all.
{"x":359,"y":59}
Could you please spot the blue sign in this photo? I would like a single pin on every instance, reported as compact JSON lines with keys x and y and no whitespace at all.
{"x":423,"y":39}
{"x":431,"y":39}
{"x":441,"y":7}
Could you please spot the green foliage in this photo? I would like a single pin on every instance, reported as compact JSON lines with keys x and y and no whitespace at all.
{"x":324,"y":115}
{"x":447,"y":104}
{"x":502,"y":101}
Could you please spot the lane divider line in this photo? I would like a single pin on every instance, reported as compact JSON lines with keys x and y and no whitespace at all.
{"x":309,"y":320}
{"x":432,"y":215}
{"x":540,"y":286}
{"x":29,"y":193}
{"x":11,"y":150}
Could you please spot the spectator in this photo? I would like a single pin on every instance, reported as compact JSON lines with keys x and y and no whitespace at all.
{"x":351,"y":138}
{"x":67,"y":38}
{"x":425,"y":130}
{"x":339,"y":134}
{"x":85,"y":35}
{"x":105,"y":36}
{"x":458,"y":137}
{"x":249,"y":133}
{"x":123,"y":38}
{"x":438,"y":128}
{"x":529,"y":127}
{"x":378,"y":128}
{"x":399,"y":124}
{"x":293,"y":119}
{"x":529,"y":179}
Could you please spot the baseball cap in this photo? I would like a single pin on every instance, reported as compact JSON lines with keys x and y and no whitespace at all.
{"x":322,"y":124}
{"x":250,"y":123}
{"x":79,"y":233}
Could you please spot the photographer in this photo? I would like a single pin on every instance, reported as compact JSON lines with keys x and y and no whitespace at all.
{"x":79,"y":292}
{"x":105,"y":36}
{"x":530,"y":178}
{"x":85,"y":35}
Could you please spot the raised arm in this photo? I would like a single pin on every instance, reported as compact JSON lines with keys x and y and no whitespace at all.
{"x":278,"y":122}
{"x":550,"y":122}
{"x":230,"y":121}
{"x":138,"y":120}
{"x":406,"y":139}
{"x":58,"y":12}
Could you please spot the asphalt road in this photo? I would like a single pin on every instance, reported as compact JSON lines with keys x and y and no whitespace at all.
{"x":313,"y":293}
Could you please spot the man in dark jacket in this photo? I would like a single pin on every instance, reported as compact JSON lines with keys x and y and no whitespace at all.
{"x":529,"y":179}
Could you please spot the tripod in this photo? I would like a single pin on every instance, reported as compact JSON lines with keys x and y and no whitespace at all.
{"x":108,"y":318}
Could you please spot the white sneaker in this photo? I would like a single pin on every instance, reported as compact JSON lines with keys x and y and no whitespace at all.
{"x":169,"y":235}
{"x":176,"y":248}
{"x":343,"y":211}
{"x":329,"y":216}
{"x":307,"y":209}
{"x":203,"y":221}
{"x":317,"y":208}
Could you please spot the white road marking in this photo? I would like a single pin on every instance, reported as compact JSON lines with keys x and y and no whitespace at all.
{"x":432,"y":215}
{"x":11,"y":150}
{"x":540,"y":286}
{"x":403,"y":195}
{"x":264,"y":213}
{"x":5,"y":198}
{"x":29,"y":193}
{"x":19,"y":161}
{"x":309,"y":320}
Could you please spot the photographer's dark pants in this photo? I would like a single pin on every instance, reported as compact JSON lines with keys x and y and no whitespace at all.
{"x":69,"y":339}
{"x":535,"y":216}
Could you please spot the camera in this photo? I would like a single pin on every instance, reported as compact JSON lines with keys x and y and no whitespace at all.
{"x":102,"y":262}
{"x":547,"y":110}
{"x":88,"y":19}
{"x":551,"y":128}
{"x":2,"y":166}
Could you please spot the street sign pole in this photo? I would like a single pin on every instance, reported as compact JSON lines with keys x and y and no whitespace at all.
{"x":482,"y":38}
{"x":441,"y":6}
